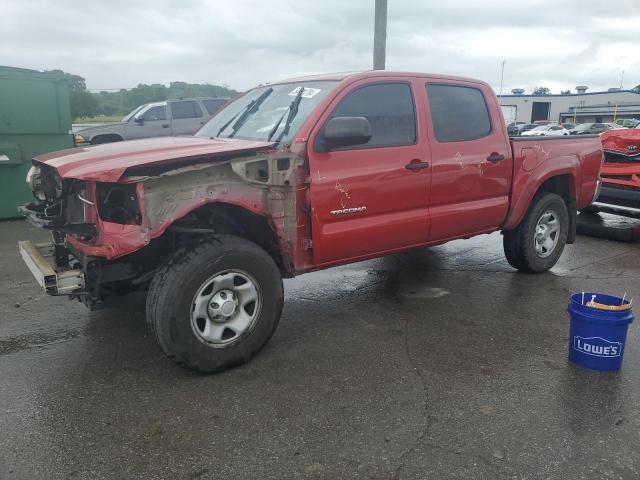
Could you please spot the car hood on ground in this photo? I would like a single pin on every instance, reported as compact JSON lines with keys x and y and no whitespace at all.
{"x":108,"y":162}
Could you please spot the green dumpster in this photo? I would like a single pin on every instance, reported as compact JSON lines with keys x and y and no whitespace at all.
{"x":35,"y":118}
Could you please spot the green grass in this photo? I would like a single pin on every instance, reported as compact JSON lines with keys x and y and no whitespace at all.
{"x":103,"y":119}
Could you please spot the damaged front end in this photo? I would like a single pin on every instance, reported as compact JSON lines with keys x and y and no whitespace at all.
{"x":72,"y":210}
{"x":109,"y":237}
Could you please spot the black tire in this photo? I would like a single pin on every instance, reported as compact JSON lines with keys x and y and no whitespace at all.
{"x":173,"y":290}
{"x":519,"y":244}
{"x":100,"y":139}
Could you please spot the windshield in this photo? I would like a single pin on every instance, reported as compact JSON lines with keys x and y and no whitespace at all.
{"x":584,"y":126}
{"x":131,"y":114}
{"x":540,"y":128}
{"x":255,"y":115}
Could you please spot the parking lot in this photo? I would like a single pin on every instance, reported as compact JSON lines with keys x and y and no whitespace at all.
{"x":437,"y":363}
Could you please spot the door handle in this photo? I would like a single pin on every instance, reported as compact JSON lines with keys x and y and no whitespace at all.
{"x":495,"y":157}
{"x":165,"y":125}
{"x":416,"y":165}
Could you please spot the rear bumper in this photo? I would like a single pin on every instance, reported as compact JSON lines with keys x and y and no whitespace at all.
{"x":38,"y":259}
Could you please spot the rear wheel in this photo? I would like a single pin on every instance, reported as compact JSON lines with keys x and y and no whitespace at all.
{"x":537,"y":243}
{"x":215,"y":306}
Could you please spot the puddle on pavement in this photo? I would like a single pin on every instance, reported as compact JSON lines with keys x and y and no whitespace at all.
{"x":19,"y":343}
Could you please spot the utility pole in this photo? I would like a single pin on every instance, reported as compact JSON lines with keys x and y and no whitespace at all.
{"x":621,"y":79}
{"x":380,"y":35}
{"x":501,"y":77}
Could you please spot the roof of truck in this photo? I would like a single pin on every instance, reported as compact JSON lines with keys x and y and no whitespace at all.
{"x":371,"y":73}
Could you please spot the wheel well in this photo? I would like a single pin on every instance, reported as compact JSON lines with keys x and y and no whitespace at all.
{"x":562,"y":185}
{"x":106,"y":138}
{"x":223,"y":218}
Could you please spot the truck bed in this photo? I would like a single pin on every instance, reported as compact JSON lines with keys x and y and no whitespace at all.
{"x":539,"y":158}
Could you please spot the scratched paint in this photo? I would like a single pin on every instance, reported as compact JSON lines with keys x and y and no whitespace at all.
{"x":344,"y":194}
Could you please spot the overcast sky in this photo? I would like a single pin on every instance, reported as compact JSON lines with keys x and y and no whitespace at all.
{"x":240,"y":43}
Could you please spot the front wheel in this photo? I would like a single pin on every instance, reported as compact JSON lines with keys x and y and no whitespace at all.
{"x":215,"y":306}
{"x":537,"y":243}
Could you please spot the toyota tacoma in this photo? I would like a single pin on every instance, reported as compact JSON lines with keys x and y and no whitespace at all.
{"x":291,"y":177}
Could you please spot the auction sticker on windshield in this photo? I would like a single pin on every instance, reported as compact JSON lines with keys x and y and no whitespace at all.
{"x":308,"y":92}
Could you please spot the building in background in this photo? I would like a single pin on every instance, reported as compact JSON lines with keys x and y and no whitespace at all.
{"x":579,"y":107}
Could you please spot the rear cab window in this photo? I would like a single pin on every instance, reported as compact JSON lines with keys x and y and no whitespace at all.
{"x":185,"y":109}
{"x":389,"y":108}
{"x":458,"y":112}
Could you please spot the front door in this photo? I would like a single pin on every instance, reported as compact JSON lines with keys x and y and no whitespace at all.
{"x":471,"y":161}
{"x":365,"y":200}
{"x":151,"y":121}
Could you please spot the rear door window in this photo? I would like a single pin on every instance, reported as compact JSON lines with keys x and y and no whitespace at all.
{"x":388,"y":107}
{"x":458,"y":113}
{"x":186,"y":109}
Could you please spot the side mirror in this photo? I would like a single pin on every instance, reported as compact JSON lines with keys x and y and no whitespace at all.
{"x":138,"y":118}
{"x":344,"y":132}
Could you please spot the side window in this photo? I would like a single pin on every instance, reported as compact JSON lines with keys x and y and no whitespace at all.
{"x":389,"y":109}
{"x":213,"y":106}
{"x":188,"y":109}
{"x":155,"y":113}
{"x":458,"y":113}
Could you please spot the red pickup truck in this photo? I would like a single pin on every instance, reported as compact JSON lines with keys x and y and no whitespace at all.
{"x":291,"y":177}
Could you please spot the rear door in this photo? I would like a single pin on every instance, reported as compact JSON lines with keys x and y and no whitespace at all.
{"x":186,"y":117}
{"x":364,"y":199}
{"x":471,"y":160}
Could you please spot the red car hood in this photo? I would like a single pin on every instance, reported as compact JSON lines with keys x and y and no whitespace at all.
{"x":622,"y":140}
{"x":109,"y":161}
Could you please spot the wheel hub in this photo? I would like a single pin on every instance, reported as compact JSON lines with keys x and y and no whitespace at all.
{"x":547,"y":234}
{"x":222,"y":306}
{"x":225,"y":308}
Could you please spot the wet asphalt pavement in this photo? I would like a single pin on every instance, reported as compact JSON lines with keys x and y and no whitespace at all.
{"x":439,"y":363}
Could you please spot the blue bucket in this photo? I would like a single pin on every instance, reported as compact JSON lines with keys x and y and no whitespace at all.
{"x":597,"y":336}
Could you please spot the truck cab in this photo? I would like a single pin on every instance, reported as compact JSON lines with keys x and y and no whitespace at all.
{"x":291,"y":177}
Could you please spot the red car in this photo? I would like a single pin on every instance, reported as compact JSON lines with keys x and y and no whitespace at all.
{"x":291,"y":177}
{"x":620,"y":172}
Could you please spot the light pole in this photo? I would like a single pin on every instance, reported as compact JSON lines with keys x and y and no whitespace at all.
{"x":501,"y":77}
{"x":621,"y":79}
{"x":380,"y":35}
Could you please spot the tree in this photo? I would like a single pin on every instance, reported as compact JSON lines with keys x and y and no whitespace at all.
{"x":566,"y":92}
{"x":123,"y":101}
{"x":541,"y":91}
{"x":83,"y":104}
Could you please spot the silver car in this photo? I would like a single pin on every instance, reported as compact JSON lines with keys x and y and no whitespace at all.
{"x":159,"y":119}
